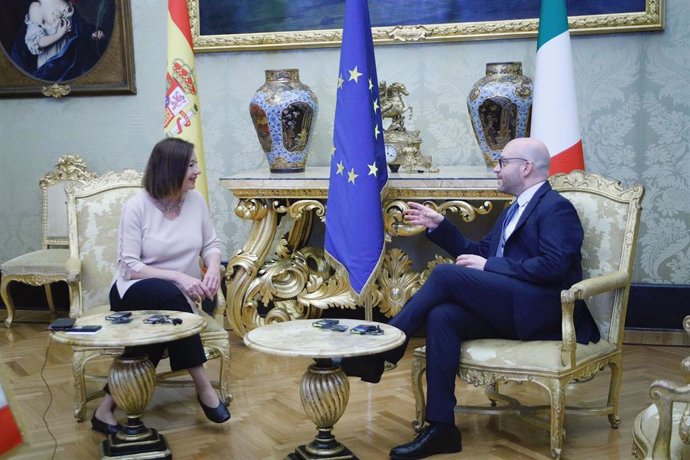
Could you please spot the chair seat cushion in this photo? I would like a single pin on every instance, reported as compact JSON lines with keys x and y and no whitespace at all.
{"x":46,"y":262}
{"x":647,"y":424}
{"x":537,"y":355}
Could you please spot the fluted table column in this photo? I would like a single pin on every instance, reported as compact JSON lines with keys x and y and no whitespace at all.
{"x":324,"y":387}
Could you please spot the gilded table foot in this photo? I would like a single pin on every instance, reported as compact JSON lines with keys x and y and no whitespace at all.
{"x":324,"y":390}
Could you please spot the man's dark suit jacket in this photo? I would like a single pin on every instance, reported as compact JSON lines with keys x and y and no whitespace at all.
{"x":543,"y":253}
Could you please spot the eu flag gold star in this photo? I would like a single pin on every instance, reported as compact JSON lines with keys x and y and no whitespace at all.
{"x":340,"y":82}
{"x":371,"y":84}
{"x":351,"y":176}
{"x":354,"y":75}
{"x":376,"y":131}
{"x":341,"y":168}
{"x":376,"y":105}
{"x":373,"y":169}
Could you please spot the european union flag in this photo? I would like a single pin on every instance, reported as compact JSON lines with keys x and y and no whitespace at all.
{"x":354,"y":219}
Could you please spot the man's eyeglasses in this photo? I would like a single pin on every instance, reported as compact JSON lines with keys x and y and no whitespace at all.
{"x":502,"y":161}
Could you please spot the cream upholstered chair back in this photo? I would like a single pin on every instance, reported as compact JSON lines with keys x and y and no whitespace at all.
{"x":94,"y":215}
{"x":610,"y":218}
{"x":70,"y":170}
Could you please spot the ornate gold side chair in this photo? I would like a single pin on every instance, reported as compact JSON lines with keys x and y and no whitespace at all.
{"x":662,"y":430}
{"x":610,"y":216}
{"x":46,"y":265}
{"x":94,"y":214}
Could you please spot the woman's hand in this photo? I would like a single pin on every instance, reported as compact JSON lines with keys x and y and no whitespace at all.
{"x":212,"y":279}
{"x":193,"y":287}
{"x":418,"y":214}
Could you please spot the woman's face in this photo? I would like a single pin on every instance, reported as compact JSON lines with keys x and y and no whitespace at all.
{"x":193,"y":172}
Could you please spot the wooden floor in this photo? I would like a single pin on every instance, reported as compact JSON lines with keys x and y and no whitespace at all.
{"x":268,"y":421}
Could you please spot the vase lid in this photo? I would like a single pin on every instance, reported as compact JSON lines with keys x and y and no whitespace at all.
{"x":497,"y":68}
{"x":282,"y":74}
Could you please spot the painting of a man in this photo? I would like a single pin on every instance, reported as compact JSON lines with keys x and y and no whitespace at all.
{"x":56,"y":40}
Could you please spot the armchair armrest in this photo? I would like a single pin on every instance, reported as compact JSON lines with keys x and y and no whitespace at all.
{"x":665,"y":394}
{"x":597,"y":285}
{"x":579,"y":291}
{"x":73,"y":270}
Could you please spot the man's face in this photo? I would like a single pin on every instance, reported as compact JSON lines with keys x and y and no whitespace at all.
{"x":509,"y":172}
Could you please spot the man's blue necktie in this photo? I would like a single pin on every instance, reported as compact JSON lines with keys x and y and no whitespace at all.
{"x":509,"y":216}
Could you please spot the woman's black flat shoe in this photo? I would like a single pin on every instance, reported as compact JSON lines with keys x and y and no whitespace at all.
{"x":218,"y":414}
{"x":102,"y":427}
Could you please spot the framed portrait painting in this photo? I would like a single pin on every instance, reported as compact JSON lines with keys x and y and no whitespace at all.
{"x":221,"y":25}
{"x":66,"y":47}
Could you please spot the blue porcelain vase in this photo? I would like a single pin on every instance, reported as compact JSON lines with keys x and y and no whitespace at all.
{"x":284,"y":111}
{"x":500,"y":107}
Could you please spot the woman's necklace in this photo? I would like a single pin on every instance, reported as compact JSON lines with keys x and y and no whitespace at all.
{"x":172,"y":207}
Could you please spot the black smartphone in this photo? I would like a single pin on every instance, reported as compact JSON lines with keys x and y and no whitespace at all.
{"x":325,"y":323}
{"x":156,"y":319}
{"x":118,"y":315}
{"x":367,"y":329}
{"x":85,"y":329}
{"x":61,"y":324}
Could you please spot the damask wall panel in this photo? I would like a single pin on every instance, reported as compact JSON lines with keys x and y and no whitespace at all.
{"x":633,"y":97}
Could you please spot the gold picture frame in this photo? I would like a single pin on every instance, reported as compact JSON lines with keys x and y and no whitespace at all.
{"x":652,"y":18}
{"x":111,"y":71}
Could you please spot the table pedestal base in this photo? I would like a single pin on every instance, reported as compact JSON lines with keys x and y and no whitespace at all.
{"x":131,"y":381}
{"x":152,"y":447}
{"x":301,"y":453}
{"x":324,"y":391}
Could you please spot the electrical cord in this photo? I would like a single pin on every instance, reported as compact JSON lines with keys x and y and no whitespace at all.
{"x":50,"y":400}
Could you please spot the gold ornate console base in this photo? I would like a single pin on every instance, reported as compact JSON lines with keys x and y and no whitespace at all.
{"x":277,"y":277}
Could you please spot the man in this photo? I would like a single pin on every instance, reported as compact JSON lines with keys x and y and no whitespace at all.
{"x":505,"y":286}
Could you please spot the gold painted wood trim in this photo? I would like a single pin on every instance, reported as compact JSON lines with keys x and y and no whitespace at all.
{"x":649,"y":20}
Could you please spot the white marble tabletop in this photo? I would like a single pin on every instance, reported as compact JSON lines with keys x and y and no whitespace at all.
{"x":134,"y":333}
{"x":300,"y":338}
{"x":314,"y":182}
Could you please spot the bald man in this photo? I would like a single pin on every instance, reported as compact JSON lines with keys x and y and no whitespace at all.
{"x":506,"y":285}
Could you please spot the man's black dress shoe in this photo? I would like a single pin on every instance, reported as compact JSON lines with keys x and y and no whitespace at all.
{"x":436,"y":438}
{"x":102,"y":427}
{"x":368,"y":368}
{"x":218,"y":414}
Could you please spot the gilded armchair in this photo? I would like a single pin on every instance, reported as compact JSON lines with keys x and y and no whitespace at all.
{"x":46,"y":265}
{"x":94,"y":214}
{"x":662,"y":430}
{"x":610,"y":216}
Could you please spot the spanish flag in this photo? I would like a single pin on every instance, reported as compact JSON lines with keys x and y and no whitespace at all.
{"x":10,"y":436}
{"x":182,"y":113}
{"x":554,"y":105}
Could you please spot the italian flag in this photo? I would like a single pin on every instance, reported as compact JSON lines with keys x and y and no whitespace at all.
{"x":554,"y":106}
{"x":10,"y":436}
{"x":182,"y":110}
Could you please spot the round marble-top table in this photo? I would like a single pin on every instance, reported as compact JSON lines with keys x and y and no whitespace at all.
{"x":324,"y":388}
{"x":131,"y":379}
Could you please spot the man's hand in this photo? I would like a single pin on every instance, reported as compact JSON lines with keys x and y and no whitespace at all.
{"x":418,"y":214}
{"x":471,"y":261}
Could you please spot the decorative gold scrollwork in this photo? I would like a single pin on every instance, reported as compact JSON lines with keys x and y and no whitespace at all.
{"x":397,"y":282}
{"x":395,"y":225}
{"x":300,"y":207}
{"x":251,"y":209}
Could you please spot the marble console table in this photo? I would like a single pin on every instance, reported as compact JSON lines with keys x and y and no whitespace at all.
{"x":277,"y":277}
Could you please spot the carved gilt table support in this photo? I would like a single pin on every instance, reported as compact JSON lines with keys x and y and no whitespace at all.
{"x":279,"y":277}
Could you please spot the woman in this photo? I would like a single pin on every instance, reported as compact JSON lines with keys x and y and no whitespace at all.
{"x":163,"y":231}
